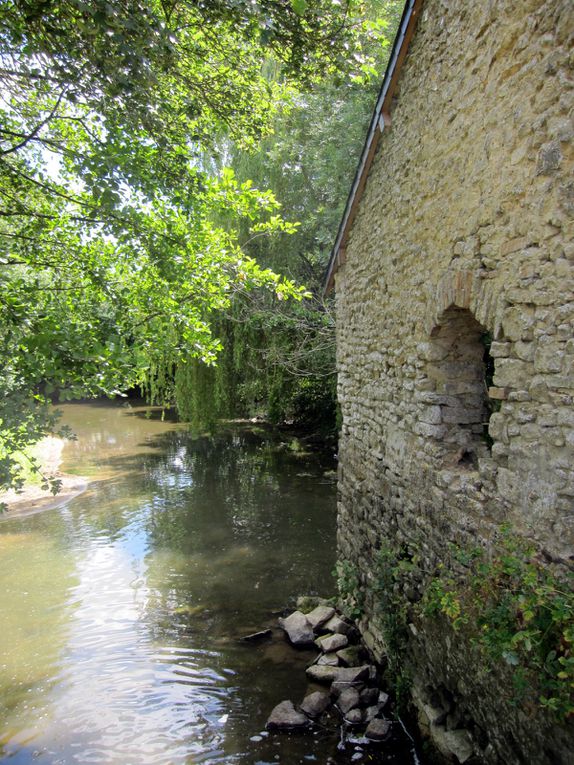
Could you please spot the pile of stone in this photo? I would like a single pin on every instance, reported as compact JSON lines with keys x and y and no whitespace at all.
{"x":351,"y":685}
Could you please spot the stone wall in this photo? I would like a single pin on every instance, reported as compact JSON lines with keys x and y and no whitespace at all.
{"x":465,"y":232}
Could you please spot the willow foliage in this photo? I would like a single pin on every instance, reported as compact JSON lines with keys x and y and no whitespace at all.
{"x":278,"y":358}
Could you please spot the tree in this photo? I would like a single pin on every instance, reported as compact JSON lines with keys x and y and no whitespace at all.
{"x":279,"y":357}
{"x":116,"y":240}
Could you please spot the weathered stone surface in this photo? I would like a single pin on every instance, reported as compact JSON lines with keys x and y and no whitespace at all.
{"x":369,"y":696}
{"x":351,"y":656}
{"x":349,"y":699}
{"x":383,"y":699}
{"x":322,"y":674}
{"x":285,"y":717}
{"x":354,"y":716}
{"x":464,"y":228}
{"x":318,"y":616}
{"x":298,"y":629}
{"x":350,"y":677}
{"x":315,"y":703}
{"x":307,"y":603}
{"x":372,"y":712}
{"x":332,"y":643}
{"x":336,"y":624}
{"x":378,"y":730}
{"x":328,"y":659}
{"x":453,"y":742}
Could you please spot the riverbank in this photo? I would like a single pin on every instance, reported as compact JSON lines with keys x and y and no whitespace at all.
{"x":32,"y":498}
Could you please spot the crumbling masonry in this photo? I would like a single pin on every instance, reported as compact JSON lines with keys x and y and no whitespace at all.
{"x":454,"y":277}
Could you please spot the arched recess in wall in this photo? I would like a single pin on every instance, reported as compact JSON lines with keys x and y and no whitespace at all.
{"x":462,"y":370}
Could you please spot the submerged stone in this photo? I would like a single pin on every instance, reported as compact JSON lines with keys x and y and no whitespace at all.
{"x":285,"y":717}
{"x":255,"y":637}
{"x":307,"y":603}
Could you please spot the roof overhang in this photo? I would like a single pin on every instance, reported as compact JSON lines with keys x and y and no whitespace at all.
{"x":380,"y":120}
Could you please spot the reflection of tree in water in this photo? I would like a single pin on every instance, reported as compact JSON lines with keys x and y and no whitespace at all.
{"x":238,"y":524}
{"x":37,"y":574}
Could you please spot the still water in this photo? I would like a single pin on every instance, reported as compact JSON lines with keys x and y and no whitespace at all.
{"x":121,"y":612}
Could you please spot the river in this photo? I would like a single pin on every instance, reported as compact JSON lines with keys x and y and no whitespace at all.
{"x":122,"y":611}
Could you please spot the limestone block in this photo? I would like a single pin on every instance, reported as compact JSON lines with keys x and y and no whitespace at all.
{"x":511,"y":373}
{"x":431,"y":415}
{"x":497,"y":427}
{"x":430,"y":431}
{"x":498,"y":394}
{"x":549,"y":158}
{"x":500,"y":350}
{"x":518,"y":323}
{"x":548,"y":357}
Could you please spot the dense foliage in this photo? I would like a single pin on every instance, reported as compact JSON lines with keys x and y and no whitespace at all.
{"x":117,"y":239}
{"x":278,"y":358}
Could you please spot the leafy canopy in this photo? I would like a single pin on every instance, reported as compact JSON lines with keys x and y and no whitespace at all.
{"x":117,"y":239}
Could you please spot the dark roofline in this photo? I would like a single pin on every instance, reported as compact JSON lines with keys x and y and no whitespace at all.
{"x":381,"y":118}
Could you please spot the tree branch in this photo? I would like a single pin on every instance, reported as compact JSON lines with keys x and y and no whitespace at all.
{"x":31,"y":136}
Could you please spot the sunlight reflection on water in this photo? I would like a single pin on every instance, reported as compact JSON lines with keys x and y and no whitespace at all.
{"x":121,"y":611}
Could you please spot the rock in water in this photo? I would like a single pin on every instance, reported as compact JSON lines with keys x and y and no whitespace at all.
{"x":350,"y":656}
{"x":348,"y":700}
{"x":322,"y":673}
{"x":255,"y":637}
{"x":332,"y":643}
{"x":349,"y":677}
{"x":298,"y":629}
{"x":378,"y":730}
{"x":315,"y":703}
{"x":318,"y":616}
{"x":369,"y":697}
{"x":336,"y":624}
{"x":354,"y":716}
{"x":328,"y":660}
{"x":372,"y":712}
{"x":286,"y":717}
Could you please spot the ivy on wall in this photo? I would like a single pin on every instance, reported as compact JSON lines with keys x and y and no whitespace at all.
{"x":511,"y":605}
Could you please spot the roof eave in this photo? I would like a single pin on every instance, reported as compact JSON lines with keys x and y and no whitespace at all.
{"x":380,"y":120}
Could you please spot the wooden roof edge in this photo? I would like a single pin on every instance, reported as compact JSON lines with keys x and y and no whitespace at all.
{"x":379,"y":120}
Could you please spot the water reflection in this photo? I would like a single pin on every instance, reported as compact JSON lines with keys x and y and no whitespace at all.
{"x":121,"y":611}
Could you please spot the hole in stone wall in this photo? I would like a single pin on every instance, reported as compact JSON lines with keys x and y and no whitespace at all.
{"x":467,"y":458}
{"x":462,"y":370}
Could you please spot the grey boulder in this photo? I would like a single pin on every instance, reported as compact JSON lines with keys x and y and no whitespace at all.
{"x":378,"y":730}
{"x":298,"y":629}
{"x":332,"y":643}
{"x":315,"y":703}
{"x":318,"y":616}
{"x":285,"y":717}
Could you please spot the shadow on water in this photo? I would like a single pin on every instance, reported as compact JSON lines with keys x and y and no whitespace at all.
{"x":143,"y":587}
